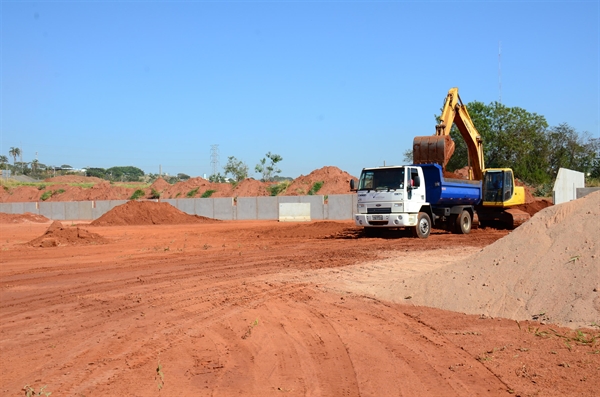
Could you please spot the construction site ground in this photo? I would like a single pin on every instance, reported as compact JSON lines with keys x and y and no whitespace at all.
{"x":262,"y":308}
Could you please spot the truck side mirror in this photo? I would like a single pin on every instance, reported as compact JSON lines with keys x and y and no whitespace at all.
{"x":417,"y":181}
{"x":352,"y":184}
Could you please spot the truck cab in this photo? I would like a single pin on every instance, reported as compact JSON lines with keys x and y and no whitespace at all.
{"x":390,"y":197}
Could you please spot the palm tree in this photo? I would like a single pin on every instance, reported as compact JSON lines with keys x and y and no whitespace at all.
{"x":34,"y":165}
{"x":14,"y":152}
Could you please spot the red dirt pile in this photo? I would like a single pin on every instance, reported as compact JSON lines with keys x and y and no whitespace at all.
{"x":22,"y":218}
{"x":186,"y":189}
{"x":58,"y":235}
{"x":251,"y":188}
{"x":147,"y":213}
{"x":335,"y":181}
{"x":547,"y":269}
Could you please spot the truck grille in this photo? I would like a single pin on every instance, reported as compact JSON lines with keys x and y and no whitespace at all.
{"x":381,"y":210}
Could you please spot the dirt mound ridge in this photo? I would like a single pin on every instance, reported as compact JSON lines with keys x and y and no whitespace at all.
{"x":547,"y":269}
{"x":147,"y":213}
{"x":160,"y":185}
{"x":74,"y":179}
{"x":251,"y":188}
{"x":335,"y":181}
{"x":22,"y":218}
{"x":58,"y":235}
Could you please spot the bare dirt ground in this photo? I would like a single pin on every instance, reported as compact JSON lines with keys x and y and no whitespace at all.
{"x":262,"y":309}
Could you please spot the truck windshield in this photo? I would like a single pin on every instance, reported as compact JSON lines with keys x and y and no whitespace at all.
{"x":382,"y":179}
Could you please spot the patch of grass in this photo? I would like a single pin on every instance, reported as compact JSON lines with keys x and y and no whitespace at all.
{"x":278,"y":188}
{"x":315,"y":188}
{"x":41,"y":187}
{"x":137,"y":194}
{"x":192,"y":192}
{"x":154,"y":194}
{"x":46,"y":195}
{"x":160,"y":376}
{"x":30,"y":391}
{"x":59,"y":191}
{"x":249,"y":330}
{"x":178,"y":194}
{"x":208,"y":193}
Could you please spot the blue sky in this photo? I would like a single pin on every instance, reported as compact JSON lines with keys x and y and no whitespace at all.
{"x":321,"y":83}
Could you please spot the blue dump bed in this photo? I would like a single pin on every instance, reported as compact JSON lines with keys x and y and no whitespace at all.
{"x":449,"y":192}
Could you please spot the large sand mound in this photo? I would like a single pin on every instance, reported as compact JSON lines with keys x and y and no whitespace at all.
{"x":147,"y":213}
{"x":547,"y":269}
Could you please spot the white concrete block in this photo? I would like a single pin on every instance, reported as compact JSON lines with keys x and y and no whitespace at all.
{"x":294,"y":212}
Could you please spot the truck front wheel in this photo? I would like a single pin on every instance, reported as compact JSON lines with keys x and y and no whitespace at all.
{"x":463,"y":223}
{"x":423,"y":227}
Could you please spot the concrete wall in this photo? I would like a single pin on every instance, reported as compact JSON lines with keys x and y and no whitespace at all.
{"x":566,"y":185}
{"x":338,"y":207}
{"x":584,"y":191}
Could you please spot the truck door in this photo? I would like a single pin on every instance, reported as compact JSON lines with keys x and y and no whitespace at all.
{"x":415,"y":186}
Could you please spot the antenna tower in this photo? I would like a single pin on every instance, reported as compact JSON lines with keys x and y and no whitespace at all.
{"x":500,"y":71}
{"x":214,"y":158}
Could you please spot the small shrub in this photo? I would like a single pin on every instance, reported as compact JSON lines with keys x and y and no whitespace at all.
{"x":154,"y":194}
{"x":59,"y":191}
{"x":178,"y":194}
{"x":315,"y":187}
{"x":192,"y":192}
{"x":41,"y":187}
{"x":137,"y":194}
{"x":279,"y":188}
{"x":208,"y":193}
{"x":46,"y":195}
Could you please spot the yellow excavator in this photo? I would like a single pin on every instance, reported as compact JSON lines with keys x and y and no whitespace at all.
{"x":500,"y":196}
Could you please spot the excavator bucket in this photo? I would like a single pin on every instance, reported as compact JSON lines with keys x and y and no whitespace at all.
{"x":433,"y":149}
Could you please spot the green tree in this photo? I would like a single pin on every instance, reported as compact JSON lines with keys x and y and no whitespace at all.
{"x":3,"y":162}
{"x":183,"y":177}
{"x":96,"y":172}
{"x":512,"y":138}
{"x":237,"y":169}
{"x":125,"y":173}
{"x":270,"y":170}
{"x":570,"y":149}
{"x":34,"y":166}
{"x":14,"y":152}
{"x":217,"y":178}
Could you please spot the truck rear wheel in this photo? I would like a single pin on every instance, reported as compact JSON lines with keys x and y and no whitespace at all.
{"x":463,"y":223}
{"x":423,"y":227}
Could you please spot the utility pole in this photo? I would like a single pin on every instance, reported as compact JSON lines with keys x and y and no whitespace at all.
{"x":214,"y":158}
{"x":500,"y":71}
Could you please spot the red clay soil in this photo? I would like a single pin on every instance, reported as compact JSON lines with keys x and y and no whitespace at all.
{"x":59,"y":235}
{"x":263,"y":308}
{"x":335,"y":181}
{"x":148,"y":213}
{"x":22,"y":218}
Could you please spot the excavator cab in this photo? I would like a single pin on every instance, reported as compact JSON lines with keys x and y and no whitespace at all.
{"x":500,"y":192}
{"x":497,"y":186}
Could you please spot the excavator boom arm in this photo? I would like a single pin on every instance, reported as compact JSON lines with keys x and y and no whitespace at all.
{"x":439,"y":148}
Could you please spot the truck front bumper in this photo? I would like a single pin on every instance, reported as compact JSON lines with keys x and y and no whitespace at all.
{"x":386,"y":220}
